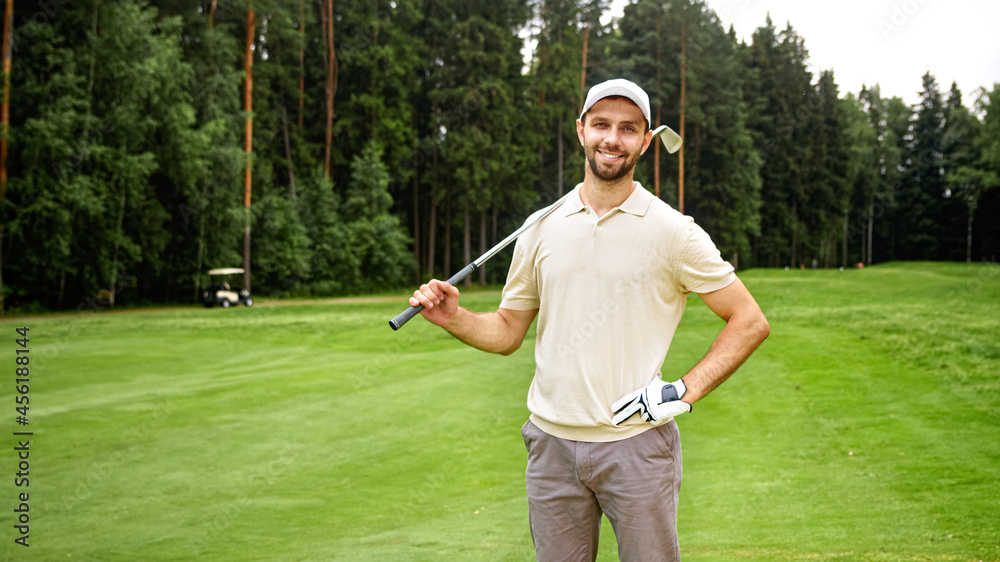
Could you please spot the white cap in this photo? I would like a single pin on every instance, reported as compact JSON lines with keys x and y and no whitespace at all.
{"x":619,"y":87}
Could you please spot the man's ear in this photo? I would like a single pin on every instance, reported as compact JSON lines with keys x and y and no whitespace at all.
{"x":646,"y":141}
{"x":579,"y":131}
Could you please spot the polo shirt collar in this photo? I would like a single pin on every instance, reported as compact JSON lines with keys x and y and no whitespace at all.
{"x":573,"y":202}
{"x":637,"y":203}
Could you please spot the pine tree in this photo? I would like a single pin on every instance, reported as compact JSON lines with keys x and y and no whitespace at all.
{"x":8,"y":28}
{"x":892,"y":165}
{"x":861,"y":177}
{"x":722,"y":166}
{"x":828,"y":192}
{"x":922,"y":193}
{"x":988,"y":235}
{"x":648,"y":52}
{"x":971,"y":158}
{"x":780,"y":99}
{"x":556,"y":71}
{"x":379,"y":244}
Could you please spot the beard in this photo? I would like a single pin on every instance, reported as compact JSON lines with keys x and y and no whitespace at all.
{"x":611,"y":172}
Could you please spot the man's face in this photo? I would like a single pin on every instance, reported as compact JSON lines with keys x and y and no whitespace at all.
{"x":613,"y":137}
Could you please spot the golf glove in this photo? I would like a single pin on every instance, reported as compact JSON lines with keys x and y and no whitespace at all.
{"x":655,"y":402}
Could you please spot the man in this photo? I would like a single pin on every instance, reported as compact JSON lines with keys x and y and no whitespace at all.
{"x":608,"y":275}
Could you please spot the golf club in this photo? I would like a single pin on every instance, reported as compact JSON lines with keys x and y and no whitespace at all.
{"x":406,"y":315}
{"x":671,"y":140}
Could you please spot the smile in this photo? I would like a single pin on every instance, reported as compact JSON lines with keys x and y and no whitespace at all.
{"x":611,"y":157}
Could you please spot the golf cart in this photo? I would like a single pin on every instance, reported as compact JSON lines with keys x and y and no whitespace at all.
{"x":219,"y":292}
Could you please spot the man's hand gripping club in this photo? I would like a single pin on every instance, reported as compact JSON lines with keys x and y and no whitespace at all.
{"x":439,"y":299}
{"x":654,"y":402}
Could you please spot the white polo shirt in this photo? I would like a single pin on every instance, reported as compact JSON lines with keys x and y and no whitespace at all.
{"x":610,"y":294}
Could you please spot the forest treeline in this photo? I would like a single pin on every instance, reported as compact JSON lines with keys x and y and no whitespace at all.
{"x":395,"y":140}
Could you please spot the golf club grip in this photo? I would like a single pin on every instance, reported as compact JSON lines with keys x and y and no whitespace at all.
{"x":409,"y":313}
{"x":405,"y":316}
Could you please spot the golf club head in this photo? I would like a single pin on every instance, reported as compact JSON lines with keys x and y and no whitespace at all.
{"x":671,"y":140}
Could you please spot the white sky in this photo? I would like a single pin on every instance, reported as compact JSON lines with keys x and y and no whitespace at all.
{"x":889,"y":42}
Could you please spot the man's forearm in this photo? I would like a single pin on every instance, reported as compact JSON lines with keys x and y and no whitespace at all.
{"x":496,"y":332}
{"x":487,"y":331}
{"x":740,"y":337}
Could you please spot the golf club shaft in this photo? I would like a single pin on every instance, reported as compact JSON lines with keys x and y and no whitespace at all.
{"x":409,"y":313}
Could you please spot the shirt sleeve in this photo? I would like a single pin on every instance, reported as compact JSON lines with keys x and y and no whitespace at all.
{"x":521,"y":290}
{"x":702,"y":269}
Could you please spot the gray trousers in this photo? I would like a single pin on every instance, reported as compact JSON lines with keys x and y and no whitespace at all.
{"x":635,"y":482}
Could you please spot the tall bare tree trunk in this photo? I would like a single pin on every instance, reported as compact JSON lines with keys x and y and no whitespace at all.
{"x":583,"y":71}
{"x":248,"y":143}
{"x":211,"y":15}
{"x":288,"y":153}
{"x":8,"y":28}
{"x":656,"y":145}
{"x":656,"y":158}
{"x":542,"y":52}
{"x":324,"y":16}
{"x":334,"y":71}
{"x":331,"y":81}
{"x":680,"y":154}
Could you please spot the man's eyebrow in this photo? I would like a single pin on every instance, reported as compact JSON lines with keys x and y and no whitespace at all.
{"x":600,"y":117}
{"x":629,"y":122}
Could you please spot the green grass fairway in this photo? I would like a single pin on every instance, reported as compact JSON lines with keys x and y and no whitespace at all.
{"x":867,"y":427}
